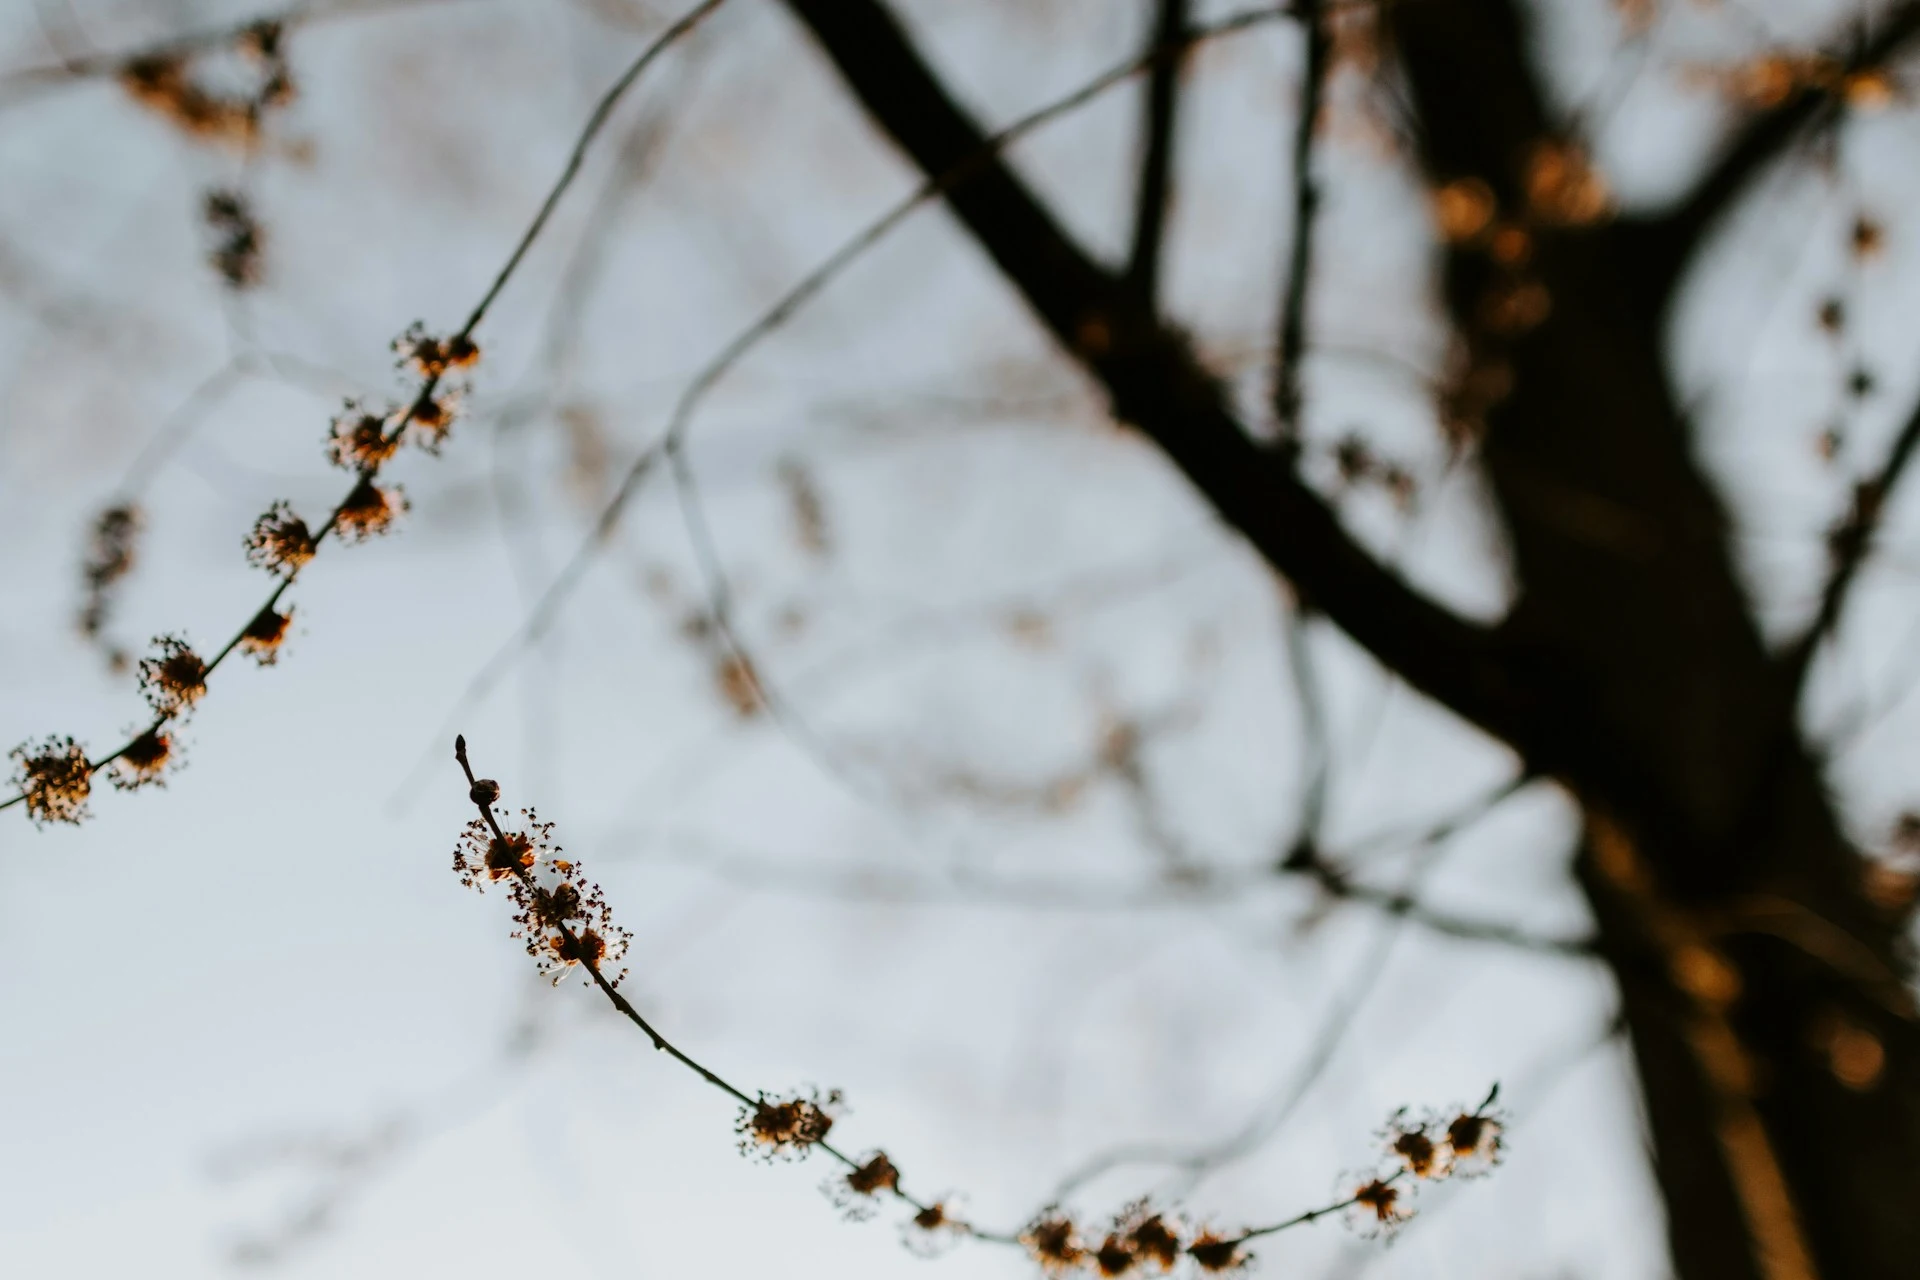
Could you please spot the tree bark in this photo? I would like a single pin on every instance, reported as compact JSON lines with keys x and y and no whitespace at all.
{"x":1758,"y":982}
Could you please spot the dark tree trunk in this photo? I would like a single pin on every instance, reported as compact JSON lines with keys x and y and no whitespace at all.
{"x":1757,"y":979}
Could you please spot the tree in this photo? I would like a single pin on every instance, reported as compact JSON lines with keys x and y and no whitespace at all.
{"x":1635,"y":662}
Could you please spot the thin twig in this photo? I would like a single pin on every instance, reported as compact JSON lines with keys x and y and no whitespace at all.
{"x":1156,"y":162}
{"x":366,"y":473}
{"x":1306,"y":201}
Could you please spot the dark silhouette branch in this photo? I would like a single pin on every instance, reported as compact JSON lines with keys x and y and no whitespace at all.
{"x":1849,"y":545}
{"x":367,"y":471}
{"x":1671,"y":240}
{"x":1156,"y":161}
{"x":1292,"y":341}
{"x":1156,"y":383}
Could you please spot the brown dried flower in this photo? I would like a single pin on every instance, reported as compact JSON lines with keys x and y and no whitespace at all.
{"x":1151,"y":1237}
{"x":1411,"y":1144}
{"x":786,"y":1127}
{"x":482,"y":858}
{"x":174,"y":679}
{"x":1563,"y":187}
{"x":431,"y":357}
{"x":1054,"y":1242}
{"x":1464,"y":208}
{"x":933,"y":1230}
{"x":237,"y":251}
{"x":369,"y":511}
{"x":55,"y":777}
{"x":1476,"y":1142}
{"x":1214,"y":1252}
{"x":109,"y":559}
{"x":265,"y":634}
{"x":280,"y":541}
{"x":1378,"y":1207}
{"x":857,"y":1193}
{"x":144,"y":761}
{"x":359,"y":441}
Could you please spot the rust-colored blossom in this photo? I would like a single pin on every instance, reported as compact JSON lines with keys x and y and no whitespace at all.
{"x":55,"y":777}
{"x":786,"y":1127}
{"x":857,"y":1192}
{"x":1214,"y":1252}
{"x":358,"y":440}
{"x":369,"y":511}
{"x":144,"y":761}
{"x":174,"y":678}
{"x":280,"y":541}
{"x":1476,"y":1141}
{"x":265,"y":634}
{"x":1054,"y":1242}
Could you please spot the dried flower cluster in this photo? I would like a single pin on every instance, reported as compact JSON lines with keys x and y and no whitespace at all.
{"x":368,"y":511}
{"x":935,"y":1229}
{"x":238,"y":238}
{"x":1775,"y":78}
{"x":110,"y":558}
{"x":778,"y":1127}
{"x":280,"y":541}
{"x":1358,"y":465}
{"x":55,"y":778}
{"x":1140,"y":1240}
{"x":562,"y":918}
{"x":167,"y":83}
{"x":359,"y":441}
{"x":265,"y":634}
{"x":435,"y":361}
{"x":174,"y":679}
{"x":143,"y":762}
{"x":857,"y":1192}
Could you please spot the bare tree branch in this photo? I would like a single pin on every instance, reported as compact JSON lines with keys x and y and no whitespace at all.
{"x":1156,"y":163}
{"x":1155,"y":381}
{"x":1673,"y":238}
{"x":1306,"y":202}
{"x":1850,"y":543}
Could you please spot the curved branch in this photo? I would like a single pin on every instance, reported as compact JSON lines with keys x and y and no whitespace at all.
{"x":1156,"y":383}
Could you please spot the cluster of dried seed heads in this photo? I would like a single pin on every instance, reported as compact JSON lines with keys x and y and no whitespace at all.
{"x":857,"y":1192}
{"x":238,"y":238}
{"x":787,"y":1127}
{"x":55,"y":778}
{"x":170,"y":84}
{"x":560,"y":916}
{"x":110,"y":558}
{"x":174,"y":679}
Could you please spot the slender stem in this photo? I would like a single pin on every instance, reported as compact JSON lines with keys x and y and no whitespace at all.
{"x":430,"y":383}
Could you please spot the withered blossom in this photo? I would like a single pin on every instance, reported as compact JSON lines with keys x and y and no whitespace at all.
{"x":857,"y":1192}
{"x":1151,"y":1236}
{"x":55,"y":777}
{"x":1054,"y":1242}
{"x":369,"y":511}
{"x":280,"y":541}
{"x":110,"y":557}
{"x":240,"y":240}
{"x":174,"y":679}
{"x":1378,"y":1206}
{"x":265,"y":634}
{"x":429,"y":357}
{"x":1411,"y":1145}
{"x":933,"y":1230}
{"x":165,"y":84}
{"x":1476,"y":1141}
{"x":482,"y":858}
{"x":788,"y":1127}
{"x":358,"y":440}
{"x":1214,"y":1252}
{"x":144,"y":761}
